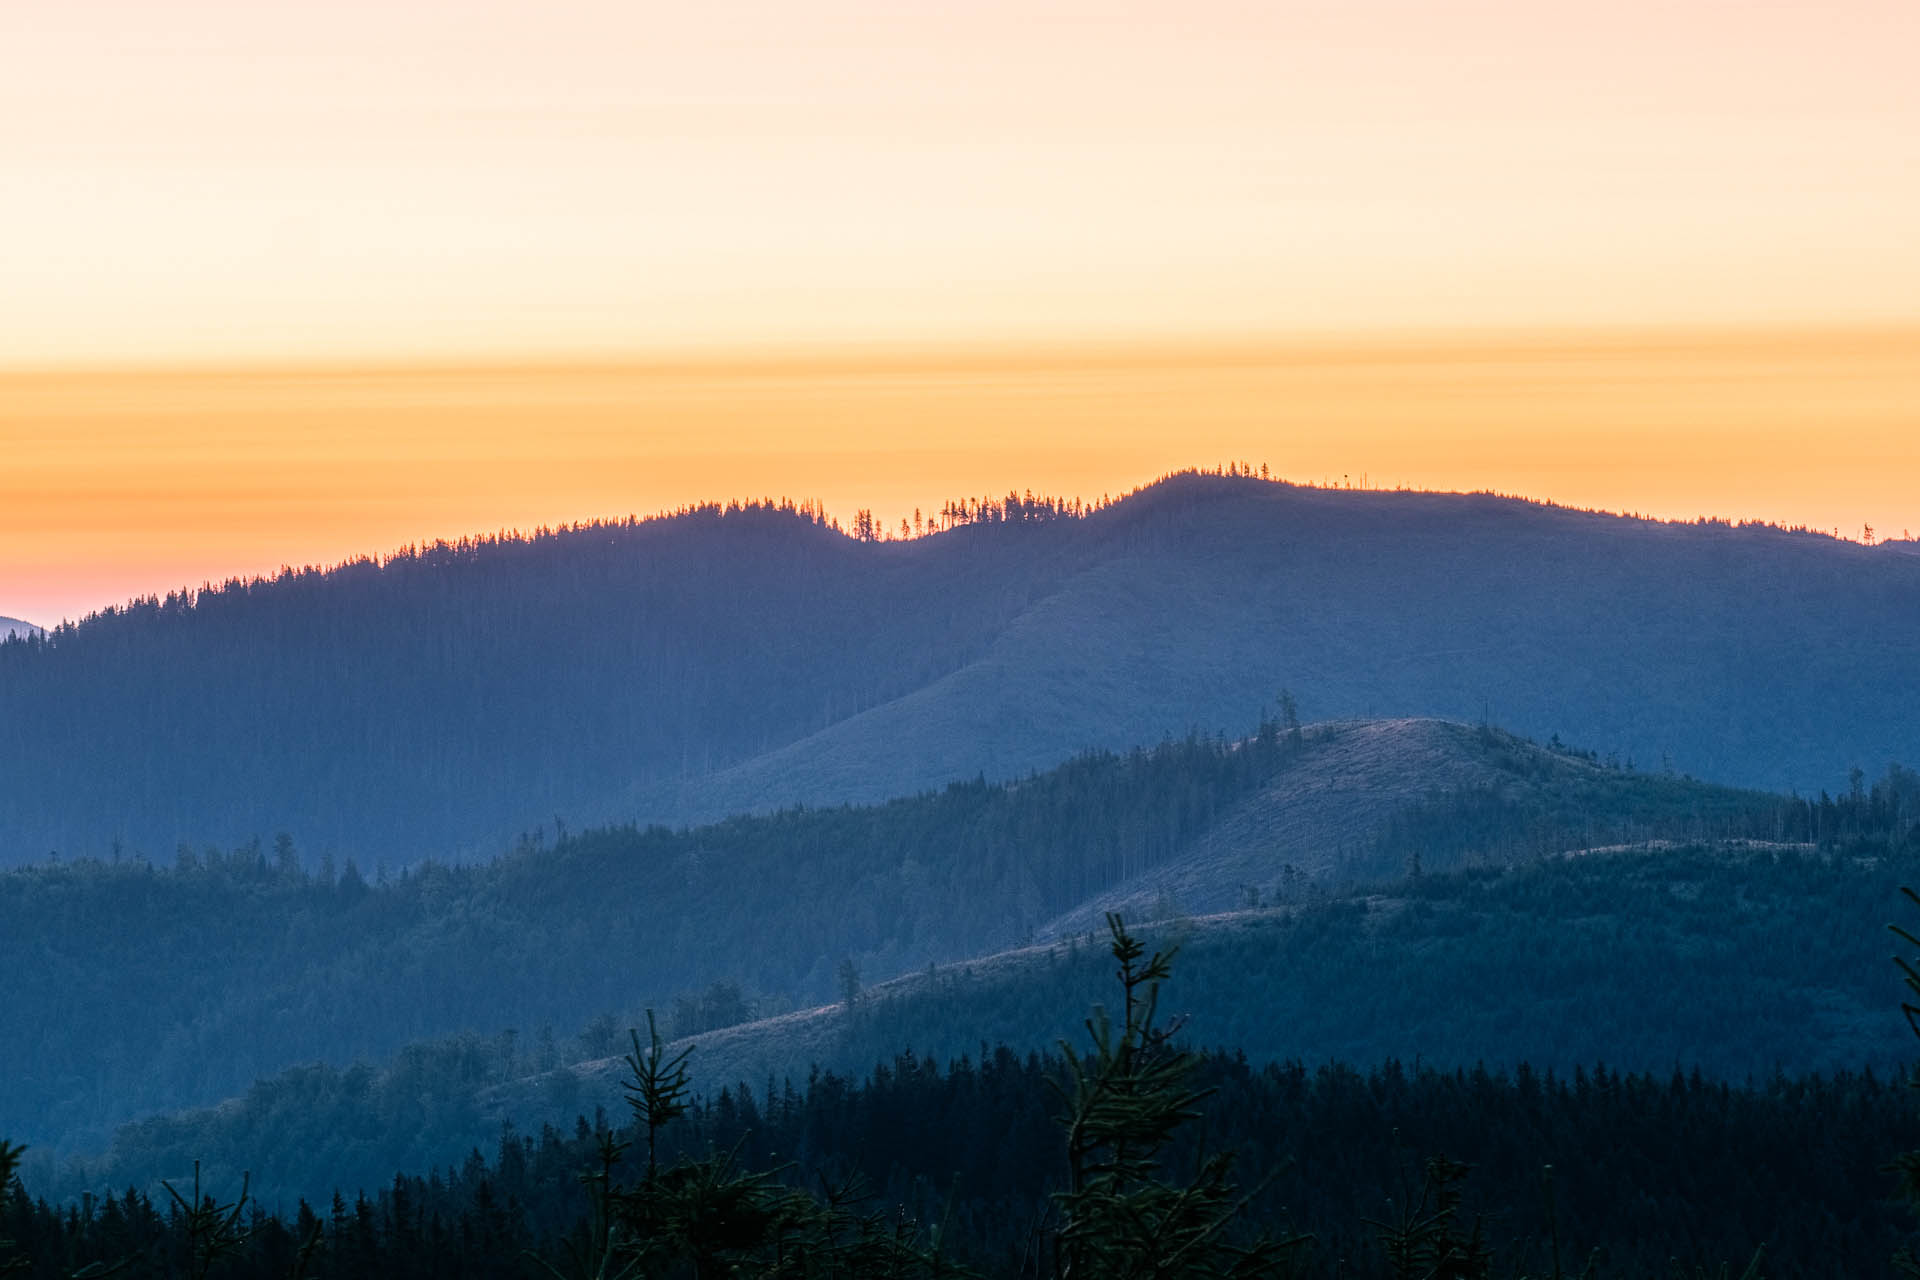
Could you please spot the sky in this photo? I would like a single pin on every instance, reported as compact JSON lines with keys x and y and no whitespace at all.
{"x":218,"y":179}
{"x":120,"y":484}
{"x":608,"y":257}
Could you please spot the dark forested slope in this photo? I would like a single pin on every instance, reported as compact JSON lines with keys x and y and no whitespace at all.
{"x":1650,"y":1169}
{"x":1648,"y":1166}
{"x":1735,"y":959}
{"x":719,"y":661}
{"x":438,"y":703}
{"x":161,"y":986}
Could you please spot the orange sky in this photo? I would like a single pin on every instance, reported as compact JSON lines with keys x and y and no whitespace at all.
{"x":1116,"y":234}
{"x":123,"y":483}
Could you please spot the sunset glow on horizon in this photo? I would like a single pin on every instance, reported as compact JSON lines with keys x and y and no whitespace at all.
{"x":139,"y":483}
{"x":292,"y":284}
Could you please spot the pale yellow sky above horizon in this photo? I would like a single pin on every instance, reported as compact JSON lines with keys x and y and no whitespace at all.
{"x":130,"y":483}
{"x":224,"y":180}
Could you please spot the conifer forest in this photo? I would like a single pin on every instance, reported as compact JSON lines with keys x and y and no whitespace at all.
{"x":959,"y":640}
{"x":1230,"y":879}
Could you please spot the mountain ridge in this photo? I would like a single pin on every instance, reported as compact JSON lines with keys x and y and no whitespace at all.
{"x":731,"y":660}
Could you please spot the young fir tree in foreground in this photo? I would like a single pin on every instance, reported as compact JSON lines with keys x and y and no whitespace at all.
{"x":1121,"y":1214}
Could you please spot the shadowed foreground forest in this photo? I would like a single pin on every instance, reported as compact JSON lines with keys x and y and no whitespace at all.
{"x":1132,"y":1156}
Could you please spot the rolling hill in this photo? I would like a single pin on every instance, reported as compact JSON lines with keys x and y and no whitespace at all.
{"x":160,"y":986}
{"x":1736,"y":961}
{"x":1740,"y":958}
{"x":751,"y":658}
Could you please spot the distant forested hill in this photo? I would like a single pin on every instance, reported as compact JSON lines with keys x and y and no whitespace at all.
{"x":156,"y":986}
{"x":720,"y":661}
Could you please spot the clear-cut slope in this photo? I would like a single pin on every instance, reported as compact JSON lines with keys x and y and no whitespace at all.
{"x":1373,"y":801}
{"x":1323,"y":820}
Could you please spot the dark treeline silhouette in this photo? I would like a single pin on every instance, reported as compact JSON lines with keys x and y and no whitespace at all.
{"x":751,"y":656}
{"x":1014,"y":508}
{"x":202,"y":976}
{"x":1645,"y":1168}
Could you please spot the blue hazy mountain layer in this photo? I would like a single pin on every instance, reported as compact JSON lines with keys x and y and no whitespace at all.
{"x":719,"y":661}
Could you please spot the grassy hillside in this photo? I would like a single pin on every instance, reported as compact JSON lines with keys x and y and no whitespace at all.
{"x":747,"y":659}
